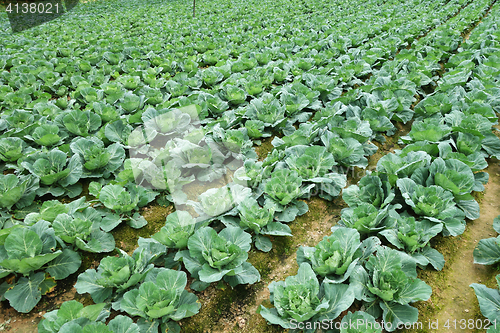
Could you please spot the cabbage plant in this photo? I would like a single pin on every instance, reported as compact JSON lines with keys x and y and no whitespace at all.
{"x":12,"y":148}
{"x":58,"y":174}
{"x":284,"y":186}
{"x":179,"y":226}
{"x":17,"y":190}
{"x":80,"y":123}
{"x":211,"y":257}
{"x":123,"y":200}
{"x":368,"y":219}
{"x":487,"y":251}
{"x":388,"y":282}
{"x":315,"y":164}
{"x":259,"y":221}
{"x":413,"y":236}
{"x":346,"y":151}
{"x":30,"y":252}
{"x":166,"y":121}
{"x":432,"y":129}
{"x":233,"y":95}
{"x":97,"y":160}
{"x":83,"y":229}
{"x":266,"y":109}
{"x":72,"y":316}
{"x":117,"y":274}
{"x":435,"y":204}
{"x":161,"y":299}
{"x":397,"y":166}
{"x":310,"y":162}
{"x":47,"y":135}
{"x":455,"y":176}
{"x":371,"y":189}
{"x":217,"y":201}
{"x":301,"y":298}
{"x":489,"y":301}
{"x":50,"y":209}
{"x":256,"y":129}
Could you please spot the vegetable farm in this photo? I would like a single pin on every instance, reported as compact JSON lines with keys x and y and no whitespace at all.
{"x":263,"y":166}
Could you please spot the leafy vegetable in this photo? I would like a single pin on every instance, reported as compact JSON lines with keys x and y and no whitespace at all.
{"x":97,"y":160}
{"x":217,"y":201}
{"x":434,"y":203}
{"x":83,"y":229}
{"x":17,"y":190}
{"x":487,"y":251}
{"x":413,"y":236}
{"x":368,"y":219}
{"x":284,"y":186}
{"x":11,"y":149}
{"x":335,"y":257}
{"x":120,"y":199}
{"x":58,"y":174}
{"x":212,"y":257}
{"x":258,"y":220}
{"x":26,"y":250}
{"x":371,"y":189}
{"x":73,"y":314}
{"x":489,"y":299}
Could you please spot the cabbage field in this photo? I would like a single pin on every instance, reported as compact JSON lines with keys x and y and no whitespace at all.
{"x":262,"y":166}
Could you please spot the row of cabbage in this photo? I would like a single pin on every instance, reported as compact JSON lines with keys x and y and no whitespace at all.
{"x":487,"y":251}
{"x":64,"y":150}
{"x":89,"y":225}
{"x":415,"y":194}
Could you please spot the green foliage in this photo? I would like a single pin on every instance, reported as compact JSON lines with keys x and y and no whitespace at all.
{"x":301,"y":298}
{"x":161,"y":297}
{"x":212,"y":257}
{"x":388,"y":282}
{"x":116,"y":275}
{"x":31,"y":252}
{"x":336,"y":256}
{"x":326,"y":82}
